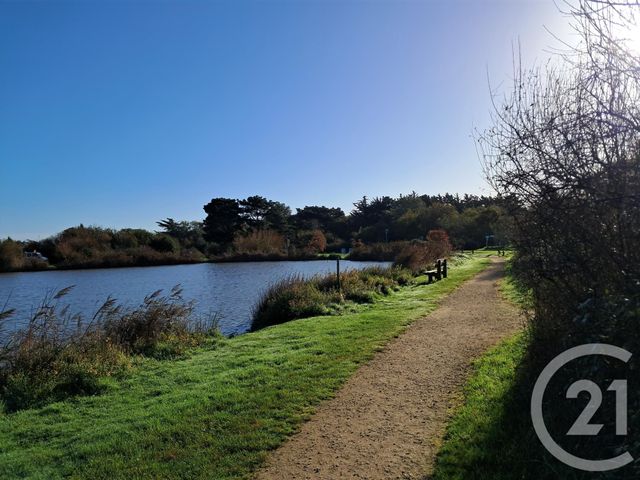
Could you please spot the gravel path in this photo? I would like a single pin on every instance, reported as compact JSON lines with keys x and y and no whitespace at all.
{"x":388,"y":419}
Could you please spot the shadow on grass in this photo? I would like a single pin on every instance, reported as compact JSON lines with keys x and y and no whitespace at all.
{"x":490,"y":436}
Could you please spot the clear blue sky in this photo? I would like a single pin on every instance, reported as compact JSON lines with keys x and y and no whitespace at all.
{"x":123,"y":113}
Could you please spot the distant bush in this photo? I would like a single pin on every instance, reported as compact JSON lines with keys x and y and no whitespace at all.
{"x":311,"y":242}
{"x":11,"y":256}
{"x":295,"y":297}
{"x":419,"y":255}
{"x":415,"y":257}
{"x":261,"y":242}
{"x":164,"y":243}
{"x":124,"y":239}
{"x":81,"y":244}
{"x":57,"y":355}
{"x":96,"y":247}
{"x":143,"y":237}
{"x":439,"y":244}
{"x":317,"y":243}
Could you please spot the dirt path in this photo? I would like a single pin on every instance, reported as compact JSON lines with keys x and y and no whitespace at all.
{"x":388,"y":419}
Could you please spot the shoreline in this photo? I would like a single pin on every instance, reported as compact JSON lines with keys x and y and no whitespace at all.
{"x":230,"y":259}
{"x":241,"y":258}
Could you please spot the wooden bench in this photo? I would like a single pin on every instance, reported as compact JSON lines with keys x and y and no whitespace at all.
{"x":439,"y":272}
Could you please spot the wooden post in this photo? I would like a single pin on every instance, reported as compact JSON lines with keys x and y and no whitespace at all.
{"x":338,"y":274}
{"x":444,"y":268}
{"x":438,"y":269}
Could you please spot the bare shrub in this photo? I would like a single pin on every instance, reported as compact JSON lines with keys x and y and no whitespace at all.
{"x":438,"y":243}
{"x":420,"y":255}
{"x":564,"y":153}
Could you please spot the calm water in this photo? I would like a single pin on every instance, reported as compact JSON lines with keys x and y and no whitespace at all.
{"x":228,"y":289}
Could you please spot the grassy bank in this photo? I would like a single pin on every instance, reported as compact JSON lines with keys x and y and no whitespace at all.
{"x":218,"y":412}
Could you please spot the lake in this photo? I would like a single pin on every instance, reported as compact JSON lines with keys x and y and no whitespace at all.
{"x":228,"y":289}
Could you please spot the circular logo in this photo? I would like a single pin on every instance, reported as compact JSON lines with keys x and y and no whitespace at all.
{"x":582,"y":426}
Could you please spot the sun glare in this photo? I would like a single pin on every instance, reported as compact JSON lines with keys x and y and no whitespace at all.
{"x":634,"y":39}
{"x":631,"y":37}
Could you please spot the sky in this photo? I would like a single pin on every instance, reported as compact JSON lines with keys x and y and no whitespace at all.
{"x":122,"y":113}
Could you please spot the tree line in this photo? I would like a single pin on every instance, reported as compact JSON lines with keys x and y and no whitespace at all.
{"x":259,"y":228}
{"x":468,"y":219}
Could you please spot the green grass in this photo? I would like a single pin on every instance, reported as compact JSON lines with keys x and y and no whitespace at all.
{"x":486,"y":436}
{"x":516,"y":294}
{"x":481,"y":439}
{"x":490,"y":436}
{"x":217,"y":413}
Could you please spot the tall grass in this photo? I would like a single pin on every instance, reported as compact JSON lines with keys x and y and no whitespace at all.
{"x":296,"y":297}
{"x":291,"y":298}
{"x":57,"y":354}
{"x":260,"y":242}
